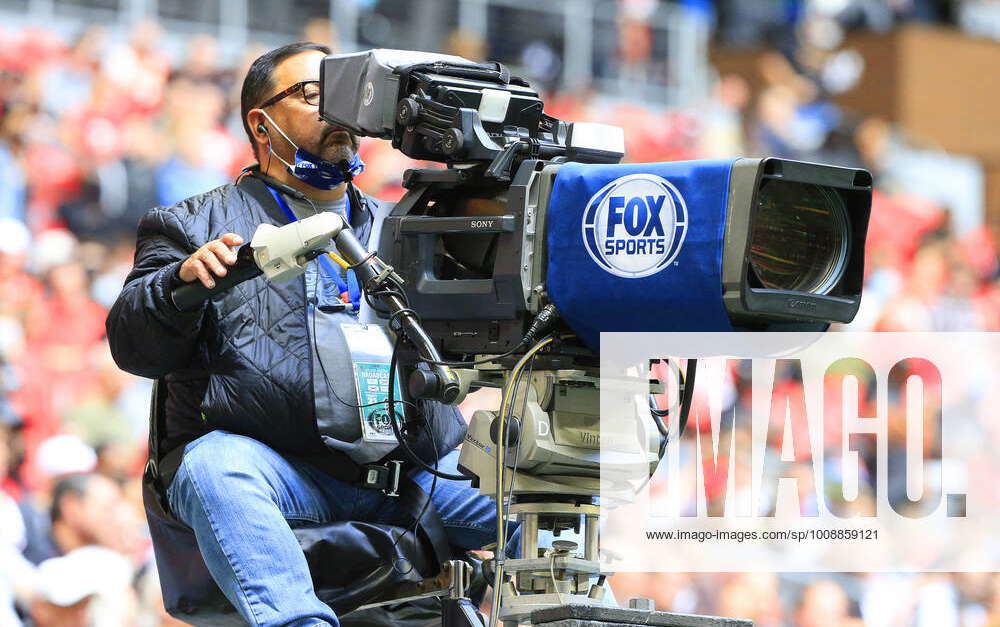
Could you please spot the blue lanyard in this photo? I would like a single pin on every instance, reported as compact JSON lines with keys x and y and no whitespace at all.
{"x":349,"y":291}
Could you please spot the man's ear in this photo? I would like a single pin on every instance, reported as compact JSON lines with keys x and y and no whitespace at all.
{"x":258,"y":126}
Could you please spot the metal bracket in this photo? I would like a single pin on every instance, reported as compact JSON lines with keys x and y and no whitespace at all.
{"x":451,"y":584}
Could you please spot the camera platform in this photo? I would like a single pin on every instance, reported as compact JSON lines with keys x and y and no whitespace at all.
{"x":597,"y":616}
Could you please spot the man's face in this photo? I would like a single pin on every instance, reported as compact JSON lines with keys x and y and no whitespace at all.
{"x":300,"y":120}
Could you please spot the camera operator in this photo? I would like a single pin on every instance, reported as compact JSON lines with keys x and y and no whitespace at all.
{"x":243,"y":395}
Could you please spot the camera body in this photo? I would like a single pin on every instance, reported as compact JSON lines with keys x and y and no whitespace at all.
{"x":533,"y":211}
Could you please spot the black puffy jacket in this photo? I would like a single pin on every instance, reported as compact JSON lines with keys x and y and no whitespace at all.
{"x":242,"y":362}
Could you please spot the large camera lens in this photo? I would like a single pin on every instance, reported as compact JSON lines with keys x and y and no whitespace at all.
{"x":799,"y":237}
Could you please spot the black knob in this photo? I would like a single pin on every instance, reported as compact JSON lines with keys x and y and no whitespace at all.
{"x":434,"y":386}
{"x":513,"y":431}
{"x":407,"y":111}
{"x":452,"y":141}
{"x":449,"y":393}
{"x":423,"y":384}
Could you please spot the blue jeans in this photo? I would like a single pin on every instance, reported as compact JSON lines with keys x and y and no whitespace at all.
{"x":242,"y":499}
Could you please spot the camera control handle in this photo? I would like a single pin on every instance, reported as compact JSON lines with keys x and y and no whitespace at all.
{"x":188,"y":296}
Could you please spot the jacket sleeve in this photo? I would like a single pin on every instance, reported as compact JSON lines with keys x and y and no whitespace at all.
{"x":148,"y":335}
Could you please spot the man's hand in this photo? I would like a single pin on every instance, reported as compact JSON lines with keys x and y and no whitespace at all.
{"x":212,"y":258}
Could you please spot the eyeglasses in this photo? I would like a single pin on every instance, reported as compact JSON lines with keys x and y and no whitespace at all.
{"x":309,"y":89}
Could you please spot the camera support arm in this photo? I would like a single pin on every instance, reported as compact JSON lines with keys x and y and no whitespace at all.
{"x":440,"y":383}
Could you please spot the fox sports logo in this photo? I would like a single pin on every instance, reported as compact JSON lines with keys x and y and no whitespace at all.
{"x":634,"y":226}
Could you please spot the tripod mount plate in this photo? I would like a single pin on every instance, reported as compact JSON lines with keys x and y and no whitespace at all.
{"x":597,"y":616}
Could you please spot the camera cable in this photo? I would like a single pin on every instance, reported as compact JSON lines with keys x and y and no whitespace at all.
{"x":505,"y":406}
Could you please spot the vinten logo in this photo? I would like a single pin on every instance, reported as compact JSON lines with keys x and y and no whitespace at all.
{"x":634,"y":226}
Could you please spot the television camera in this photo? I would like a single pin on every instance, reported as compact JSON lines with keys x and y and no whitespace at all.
{"x":503,"y":268}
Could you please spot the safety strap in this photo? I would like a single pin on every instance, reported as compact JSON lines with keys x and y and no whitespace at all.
{"x":157,"y":469}
{"x":412,"y":501}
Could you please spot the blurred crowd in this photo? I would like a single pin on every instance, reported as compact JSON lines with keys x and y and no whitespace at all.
{"x":96,"y":130}
{"x":776,"y":21}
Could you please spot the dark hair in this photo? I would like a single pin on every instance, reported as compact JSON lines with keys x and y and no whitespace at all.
{"x":71,"y":485}
{"x":258,"y":84}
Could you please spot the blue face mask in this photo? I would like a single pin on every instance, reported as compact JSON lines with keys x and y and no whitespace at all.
{"x":314,"y":171}
{"x":320,"y":173}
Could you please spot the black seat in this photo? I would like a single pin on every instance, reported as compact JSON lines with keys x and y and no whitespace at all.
{"x":351,"y":562}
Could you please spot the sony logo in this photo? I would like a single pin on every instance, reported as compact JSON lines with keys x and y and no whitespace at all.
{"x":792,"y":303}
{"x":482,"y":224}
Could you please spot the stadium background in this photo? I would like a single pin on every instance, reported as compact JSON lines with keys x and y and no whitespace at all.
{"x":108,"y":107}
